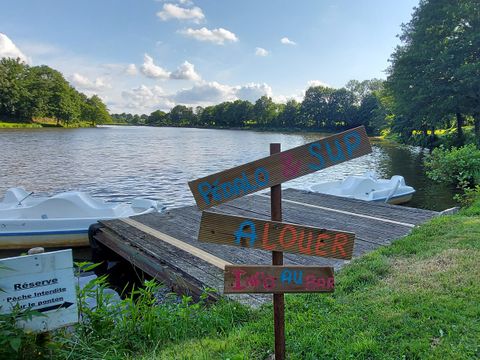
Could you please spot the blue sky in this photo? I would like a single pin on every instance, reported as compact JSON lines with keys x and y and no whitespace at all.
{"x":145,"y":55}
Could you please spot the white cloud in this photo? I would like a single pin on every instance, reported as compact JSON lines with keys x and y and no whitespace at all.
{"x":186,"y":71}
{"x":252,"y":91}
{"x":317,"y":83}
{"x":212,"y":93}
{"x":261,"y":51}
{"x":9,"y":50}
{"x":144,"y":99}
{"x":206,"y":93}
{"x":172,"y":11}
{"x":287,"y":41}
{"x":216,"y":36}
{"x":149,"y":69}
{"x":84,"y":83}
{"x":131,"y":69}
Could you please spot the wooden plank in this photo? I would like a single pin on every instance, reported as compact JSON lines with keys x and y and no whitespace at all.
{"x":381,"y":210}
{"x":275,"y":236}
{"x":212,"y":259}
{"x":346,"y":212}
{"x":284,"y":166}
{"x":277,"y":279}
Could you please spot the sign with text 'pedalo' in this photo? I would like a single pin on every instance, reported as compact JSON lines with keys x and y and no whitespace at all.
{"x":41,"y":282}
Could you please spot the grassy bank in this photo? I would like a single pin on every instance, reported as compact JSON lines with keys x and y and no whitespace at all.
{"x":44,"y":123}
{"x":416,"y":299}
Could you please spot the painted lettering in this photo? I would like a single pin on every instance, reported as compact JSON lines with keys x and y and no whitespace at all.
{"x":238,"y":276}
{"x":265,"y":244}
{"x":321,"y":242}
{"x":339,"y":242}
{"x":286,"y":276}
{"x":290,"y":167}
{"x":261,"y":177}
{"x":293,"y":233}
{"x":339,"y":157}
{"x":352,"y":142}
{"x":307,"y":250}
{"x":240,"y":233}
{"x":312,"y":150}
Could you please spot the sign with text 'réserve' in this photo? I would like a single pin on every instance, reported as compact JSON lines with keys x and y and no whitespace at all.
{"x":275,"y":236}
{"x":41,"y":282}
{"x":281,"y":167}
{"x":243,"y":279}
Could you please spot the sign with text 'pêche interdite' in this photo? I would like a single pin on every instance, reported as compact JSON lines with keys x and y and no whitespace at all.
{"x":41,"y":282}
{"x":281,"y":167}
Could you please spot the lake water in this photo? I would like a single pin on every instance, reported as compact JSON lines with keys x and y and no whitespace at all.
{"x":119,"y":163}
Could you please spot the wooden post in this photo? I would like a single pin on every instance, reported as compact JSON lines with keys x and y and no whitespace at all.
{"x":277,"y":259}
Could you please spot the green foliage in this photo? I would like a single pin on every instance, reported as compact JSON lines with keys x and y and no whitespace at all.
{"x":28,"y":92}
{"x":434,"y":76}
{"x":323,"y":108}
{"x":15,"y":343}
{"x":457,"y":166}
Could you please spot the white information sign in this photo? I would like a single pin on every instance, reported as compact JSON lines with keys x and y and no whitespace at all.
{"x":41,"y":282}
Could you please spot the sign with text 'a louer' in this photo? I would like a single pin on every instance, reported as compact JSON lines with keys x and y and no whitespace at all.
{"x":41,"y":282}
{"x":275,"y":236}
{"x":247,"y":279}
{"x":281,"y":167}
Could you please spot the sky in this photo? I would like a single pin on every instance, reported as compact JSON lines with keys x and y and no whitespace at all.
{"x":144,"y":55}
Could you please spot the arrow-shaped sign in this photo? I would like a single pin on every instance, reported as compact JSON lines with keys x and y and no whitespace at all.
{"x":275,"y":236}
{"x":283,"y":166}
{"x":65,"y":305}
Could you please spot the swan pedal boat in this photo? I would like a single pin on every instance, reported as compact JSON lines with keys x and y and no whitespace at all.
{"x":369,"y":188}
{"x":61,"y":220}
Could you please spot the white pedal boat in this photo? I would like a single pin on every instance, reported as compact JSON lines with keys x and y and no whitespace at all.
{"x":59,"y":221}
{"x":368,"y":188}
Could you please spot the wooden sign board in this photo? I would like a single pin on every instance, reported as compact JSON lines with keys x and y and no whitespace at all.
{"x":241,"y":279}
{"x":41,"y":282}
{"x":284,"y":166}
{"x":275,"y":236}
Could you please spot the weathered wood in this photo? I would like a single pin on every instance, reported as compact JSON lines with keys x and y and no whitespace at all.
{"x":277,"y":279}
{"x":275,"y":236}
{"x":378,"y":210}
{"x":280,"y":167}
{"x":172,"y":265}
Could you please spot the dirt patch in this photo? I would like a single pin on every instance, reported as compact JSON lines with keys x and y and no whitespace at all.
{"x":435,"y":273}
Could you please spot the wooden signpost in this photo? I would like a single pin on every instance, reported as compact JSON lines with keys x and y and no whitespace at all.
{"x":244,"y":279}
{"x":280,"y":167}
{"x":275,"y":235}
{"x":41,"y":282}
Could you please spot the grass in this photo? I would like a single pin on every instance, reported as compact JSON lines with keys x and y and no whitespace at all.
{"x":416,"y":299}
{"x":42,"y":123}
{"x":14,"y":125}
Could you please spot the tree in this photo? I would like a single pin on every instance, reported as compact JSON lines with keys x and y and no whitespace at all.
{"x":15,"y":99}
{"x":315,"y":106}
{"x":157,"y":118}
{"x":95,"y":111}
{"x":434,"y":73}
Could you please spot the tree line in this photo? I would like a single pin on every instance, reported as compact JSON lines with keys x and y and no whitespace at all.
{"x":323,"y":108}
{"x":30,"y":92}
{"x":433,"y":83}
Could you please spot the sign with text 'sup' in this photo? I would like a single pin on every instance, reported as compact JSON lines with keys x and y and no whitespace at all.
{"x":281,"y":167}
{"x":41,"y":282}
{"x":275,"y":236}
{"x":243,"y":279}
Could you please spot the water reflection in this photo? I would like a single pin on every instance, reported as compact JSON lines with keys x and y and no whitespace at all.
{"x":119,"y":163}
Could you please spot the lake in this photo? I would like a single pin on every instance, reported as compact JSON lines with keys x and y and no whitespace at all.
{"x":119,"y":163}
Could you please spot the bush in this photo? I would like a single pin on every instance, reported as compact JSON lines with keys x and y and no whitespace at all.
{"x":456,"y":166}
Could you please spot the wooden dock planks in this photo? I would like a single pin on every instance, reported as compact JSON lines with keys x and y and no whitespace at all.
{"x":185,"y":270}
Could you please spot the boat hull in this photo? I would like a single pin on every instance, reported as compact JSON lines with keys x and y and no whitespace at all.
{"x":398,"y":199}
{"x":20,"y":241}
